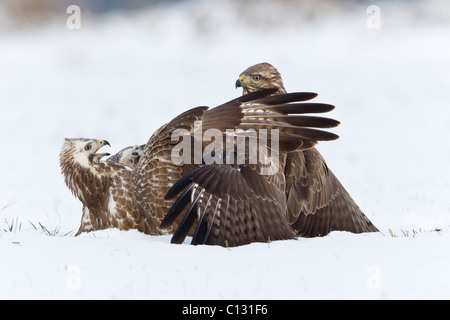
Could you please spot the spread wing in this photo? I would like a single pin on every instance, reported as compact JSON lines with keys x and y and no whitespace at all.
{"x":156,"y":171}
{"x":282,"y":112}
{"x":317,"y":203}
{"x":231,"y":205}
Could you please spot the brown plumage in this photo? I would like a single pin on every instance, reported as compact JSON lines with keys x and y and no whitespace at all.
{"x":317,"y":203}
{"x":100,"y":186}
{"x":116,"y":195}
{"x":232,"y":205}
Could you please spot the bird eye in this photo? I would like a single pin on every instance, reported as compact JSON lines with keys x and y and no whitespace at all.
{"x":88,"y":147}
{"x":256,"y":77}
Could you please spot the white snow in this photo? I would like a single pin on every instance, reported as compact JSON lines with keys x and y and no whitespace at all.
{"x":121,"y":77}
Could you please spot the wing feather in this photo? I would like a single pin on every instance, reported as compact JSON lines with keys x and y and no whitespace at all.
{"x":317,"y":201}
{"x":156,"y":173}
{"x":275,"y":112}
{"x":243,"y":210}
{"x":224,"y":218}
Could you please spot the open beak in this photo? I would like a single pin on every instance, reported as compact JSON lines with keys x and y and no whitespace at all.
{"x":102,"y":143}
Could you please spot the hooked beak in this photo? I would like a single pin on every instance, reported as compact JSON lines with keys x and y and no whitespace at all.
{"x":102,"y":143}
{"x":239,"y":82}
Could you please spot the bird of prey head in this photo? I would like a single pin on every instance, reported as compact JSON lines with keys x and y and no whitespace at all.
{"x":83,"y":151}
{"x":128,"y":156}
{"x":79,"y":160}
{"x":260,"y":76}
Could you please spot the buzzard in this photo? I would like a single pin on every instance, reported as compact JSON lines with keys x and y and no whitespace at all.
{"x":102,"y":186}
{"x":116,"y":195}
{"x":128,"y":156}
{"x":317,"y":203}
{"x":304,"y":198}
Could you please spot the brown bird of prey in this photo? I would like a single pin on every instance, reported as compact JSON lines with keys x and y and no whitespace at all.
{"x":128,"y":156}
{"x":233,"y":204}
{"x":316,"y":201}
{"x":303,"y":198}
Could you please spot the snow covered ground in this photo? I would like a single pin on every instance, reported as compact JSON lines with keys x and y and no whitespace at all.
{"x":114,"y":264}
{"x":120,"y":77}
